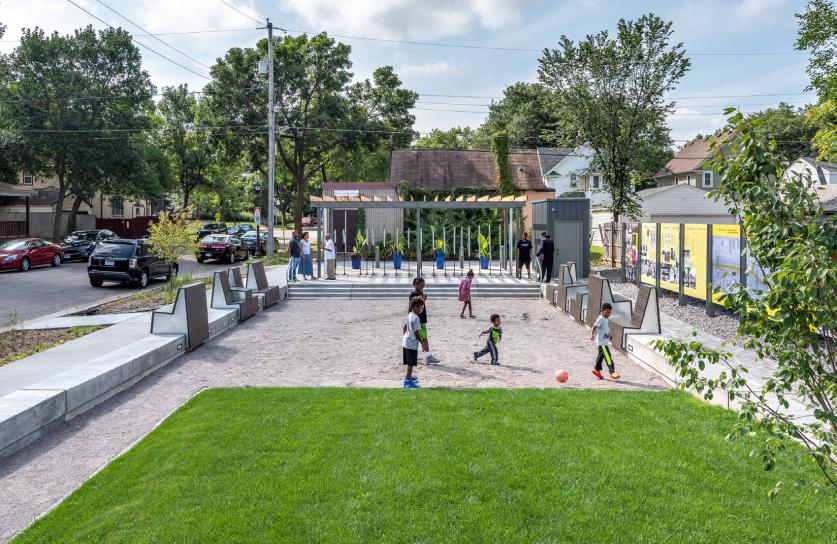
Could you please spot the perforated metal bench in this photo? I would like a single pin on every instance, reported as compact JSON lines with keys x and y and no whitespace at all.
{"x":645,"y":319}
{"x":226,"y":296}
{"x":188,"y":316}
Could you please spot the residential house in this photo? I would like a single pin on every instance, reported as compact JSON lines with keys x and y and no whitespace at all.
{"x":689,"y":166}
{"x":682,"y":204}
{"x":569,"y":172}
{"x":808,"y":168}
{"x":448,"y":169}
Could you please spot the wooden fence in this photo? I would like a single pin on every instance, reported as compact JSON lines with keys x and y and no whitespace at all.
{"x":13,"y":224}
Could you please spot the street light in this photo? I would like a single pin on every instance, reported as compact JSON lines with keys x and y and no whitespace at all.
{"x":258,"y":189}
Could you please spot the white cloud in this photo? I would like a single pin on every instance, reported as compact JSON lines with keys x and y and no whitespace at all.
{"x":427,"y":69}
{"x":758,"y":8}
{"x":408,"y":19}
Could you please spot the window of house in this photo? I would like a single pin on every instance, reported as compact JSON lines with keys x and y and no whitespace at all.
{"x":597,"y":182}
{"x":707,"y":179}
{"x":117,"y":206}
{"x":573,"y":179}
{"x":27,"y":178}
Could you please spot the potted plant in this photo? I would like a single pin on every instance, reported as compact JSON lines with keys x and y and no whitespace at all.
{"x":483,"y":252}
{"x":441,"y":246}
{"x":358,"y":251}
{"x":395,"y":250}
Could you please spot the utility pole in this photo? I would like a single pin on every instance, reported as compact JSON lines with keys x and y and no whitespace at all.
{"x":271,"y":116}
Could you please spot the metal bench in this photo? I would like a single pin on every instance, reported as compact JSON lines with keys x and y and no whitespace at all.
{"x":568,"y":286}
{"x":225,"y":296}
{"x":188,"y":316}
{"x":599,"y":293}
{"x":578,"y":306}
{"x":257,"y":282}
{"x":645,"y":319}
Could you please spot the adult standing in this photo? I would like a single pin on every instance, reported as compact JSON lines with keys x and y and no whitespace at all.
{"x":546,"y":251}
{"x":295,"y":252}
{"x":524,"y":256}
{"x":330,"y":258}
{"x":307,"y":264}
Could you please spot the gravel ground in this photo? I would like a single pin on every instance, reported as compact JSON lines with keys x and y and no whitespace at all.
{"x":722,"y":326}
{"x":309,"y":343}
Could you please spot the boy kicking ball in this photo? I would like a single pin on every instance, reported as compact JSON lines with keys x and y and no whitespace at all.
{"x":495,"y":334}
{"x":601,"y":333}
{"x":411,"y":342}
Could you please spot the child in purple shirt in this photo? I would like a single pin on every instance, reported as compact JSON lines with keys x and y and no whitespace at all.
{"x":465,"y":294}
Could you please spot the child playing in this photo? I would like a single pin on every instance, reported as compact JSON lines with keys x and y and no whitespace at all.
{"x":494,"y":333}
{"x":601,"y":332}
{"x":465,"y":294}
{"x":418,"y":292}
{"x":411,"y":341}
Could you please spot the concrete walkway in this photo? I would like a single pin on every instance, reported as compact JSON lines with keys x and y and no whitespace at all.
{"x":308,"y":343}
{"x":70,"y":321}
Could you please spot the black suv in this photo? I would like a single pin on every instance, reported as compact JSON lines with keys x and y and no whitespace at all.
{"x":212,"y":228}
{"x":126,"y":261}
{"x":79,"y":244}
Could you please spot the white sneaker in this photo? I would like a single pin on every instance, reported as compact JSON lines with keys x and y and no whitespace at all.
{"x":432,"y":360}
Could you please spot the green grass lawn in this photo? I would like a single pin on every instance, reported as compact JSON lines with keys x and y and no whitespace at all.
{"x":357,"y":465}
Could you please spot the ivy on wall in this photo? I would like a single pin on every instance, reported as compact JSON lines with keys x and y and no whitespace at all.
{"x":500,"y":150}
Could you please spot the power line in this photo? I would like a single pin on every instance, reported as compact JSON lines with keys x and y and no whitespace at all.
{"x":138,"y":42}
{"x":193,"y":59}
{"x":239,"y":11}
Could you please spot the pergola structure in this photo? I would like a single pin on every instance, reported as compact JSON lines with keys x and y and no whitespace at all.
{"x":508,"y":205}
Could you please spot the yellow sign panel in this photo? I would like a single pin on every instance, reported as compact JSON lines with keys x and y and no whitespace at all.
{"x":694,"y":261}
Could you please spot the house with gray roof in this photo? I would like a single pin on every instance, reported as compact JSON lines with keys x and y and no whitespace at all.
{"x":809,"y":169}
{"x":570,"y":172}
{"x":690,"y":165}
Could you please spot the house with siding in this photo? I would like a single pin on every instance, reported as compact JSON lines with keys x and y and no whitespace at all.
{"x":806,"y":169}
{"x":682,"y":204}
{"x":570,"y":173}
{"x":690,"y":165}
{"x":449,"y":169}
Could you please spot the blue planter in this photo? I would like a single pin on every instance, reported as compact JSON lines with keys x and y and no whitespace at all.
{"x":396,"y":261}
{"x":440,"y":260}
{"x":355,"y":262}
{"x":484,"y":263}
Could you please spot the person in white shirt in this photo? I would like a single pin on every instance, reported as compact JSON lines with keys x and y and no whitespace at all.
{"x":330,"y":258}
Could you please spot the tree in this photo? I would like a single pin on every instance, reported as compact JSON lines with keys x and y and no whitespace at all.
{"x":525,"y":112}
{"x":788,"y":127}
{"x":49,"y":84}
{"x":793,"y":323}
{"x":500,"y":152}
{"x":185,"y":139}
{"x":321,"y":115}
{"x":172,"y":236}
{"x":452,"y":138}
{"x":817,"y":35}
{"x":611,"y":92}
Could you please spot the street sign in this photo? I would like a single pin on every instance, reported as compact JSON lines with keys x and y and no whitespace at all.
{"x":257,"y":215}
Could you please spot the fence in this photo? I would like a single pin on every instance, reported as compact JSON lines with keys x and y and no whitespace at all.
{"x":611,"y":236}
{"x":126,"y":228}
{"x":696,"y":260}
{"x":40,"y":224}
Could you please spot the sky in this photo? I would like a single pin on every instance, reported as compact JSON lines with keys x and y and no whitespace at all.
{"x":741,"y":50}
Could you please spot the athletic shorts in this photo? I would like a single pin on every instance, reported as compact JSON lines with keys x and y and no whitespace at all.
{"x":410,"y":356}
{"x":423,"y":331}
{"x":524,"y":261}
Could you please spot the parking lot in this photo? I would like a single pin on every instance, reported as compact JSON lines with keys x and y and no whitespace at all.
{"x":46,"y":290}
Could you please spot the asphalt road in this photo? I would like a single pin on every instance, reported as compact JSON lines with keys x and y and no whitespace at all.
{"x":46,"y":290}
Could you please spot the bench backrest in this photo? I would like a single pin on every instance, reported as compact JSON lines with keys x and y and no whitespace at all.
{"x":189,"y":316}
{"x":235,"y":277}
{"x":221,"y":291}
{"x":256,"y":276}
{"x":595,"y":287}
{"x":564,"y":276}
{"x":641,"y":305}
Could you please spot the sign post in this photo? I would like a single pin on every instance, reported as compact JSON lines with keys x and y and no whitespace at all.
{"x":257,"y":218}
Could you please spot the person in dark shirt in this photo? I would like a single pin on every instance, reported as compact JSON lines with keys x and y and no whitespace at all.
{"x":295,"y":251}
{"x":524,"y":256}
{"x":546,"y":251}
{"x":418,"y":292}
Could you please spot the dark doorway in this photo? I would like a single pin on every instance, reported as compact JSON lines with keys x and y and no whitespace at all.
{"x":345,"y":219}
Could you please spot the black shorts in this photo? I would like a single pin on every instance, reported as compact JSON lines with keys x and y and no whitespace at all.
{"x":524,"y":260}
{"x":410,"y":356}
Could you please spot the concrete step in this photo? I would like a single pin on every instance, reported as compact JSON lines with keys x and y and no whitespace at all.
{"x":483,"y":290}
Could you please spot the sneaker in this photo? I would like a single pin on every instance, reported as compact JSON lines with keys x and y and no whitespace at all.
{"x":494,"y":363}
{"x":615,"y":375}
{"x":414,"y":378}
{"x":472,"y":316}
{"x":461,"y":317}
{"x":411,"y":385}
{"x":432,"y":360}
{"x":598,"y":374}
{"x":475,"y":356}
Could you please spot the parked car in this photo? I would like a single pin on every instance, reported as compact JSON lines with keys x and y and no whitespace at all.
{"x":126,"y":261}
{"x":241,"y":229}
{"x":79,"y":244}
{"x":222,"y":247}
{"x":249,"y":241}
{"x":212,"y":228}
{"x":24,"y":254}
{"x":309,"y":221}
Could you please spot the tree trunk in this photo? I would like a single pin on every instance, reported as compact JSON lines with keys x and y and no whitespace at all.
{"x":300,"y":201}
{"x":71,"y":220}
{"x":59,"y":208}
{"x":186,"y":193}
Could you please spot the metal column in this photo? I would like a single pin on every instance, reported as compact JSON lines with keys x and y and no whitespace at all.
{"x":681,"y":275}
{"x":418,"y":241}
{"x":320,"y":215}
{"x":710,"y":305}
{"x":658,"y":250}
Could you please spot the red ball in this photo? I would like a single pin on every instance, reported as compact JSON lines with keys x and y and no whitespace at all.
{"x":561,"y":376}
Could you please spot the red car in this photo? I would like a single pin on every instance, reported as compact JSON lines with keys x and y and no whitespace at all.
{"x":24,"y":254}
